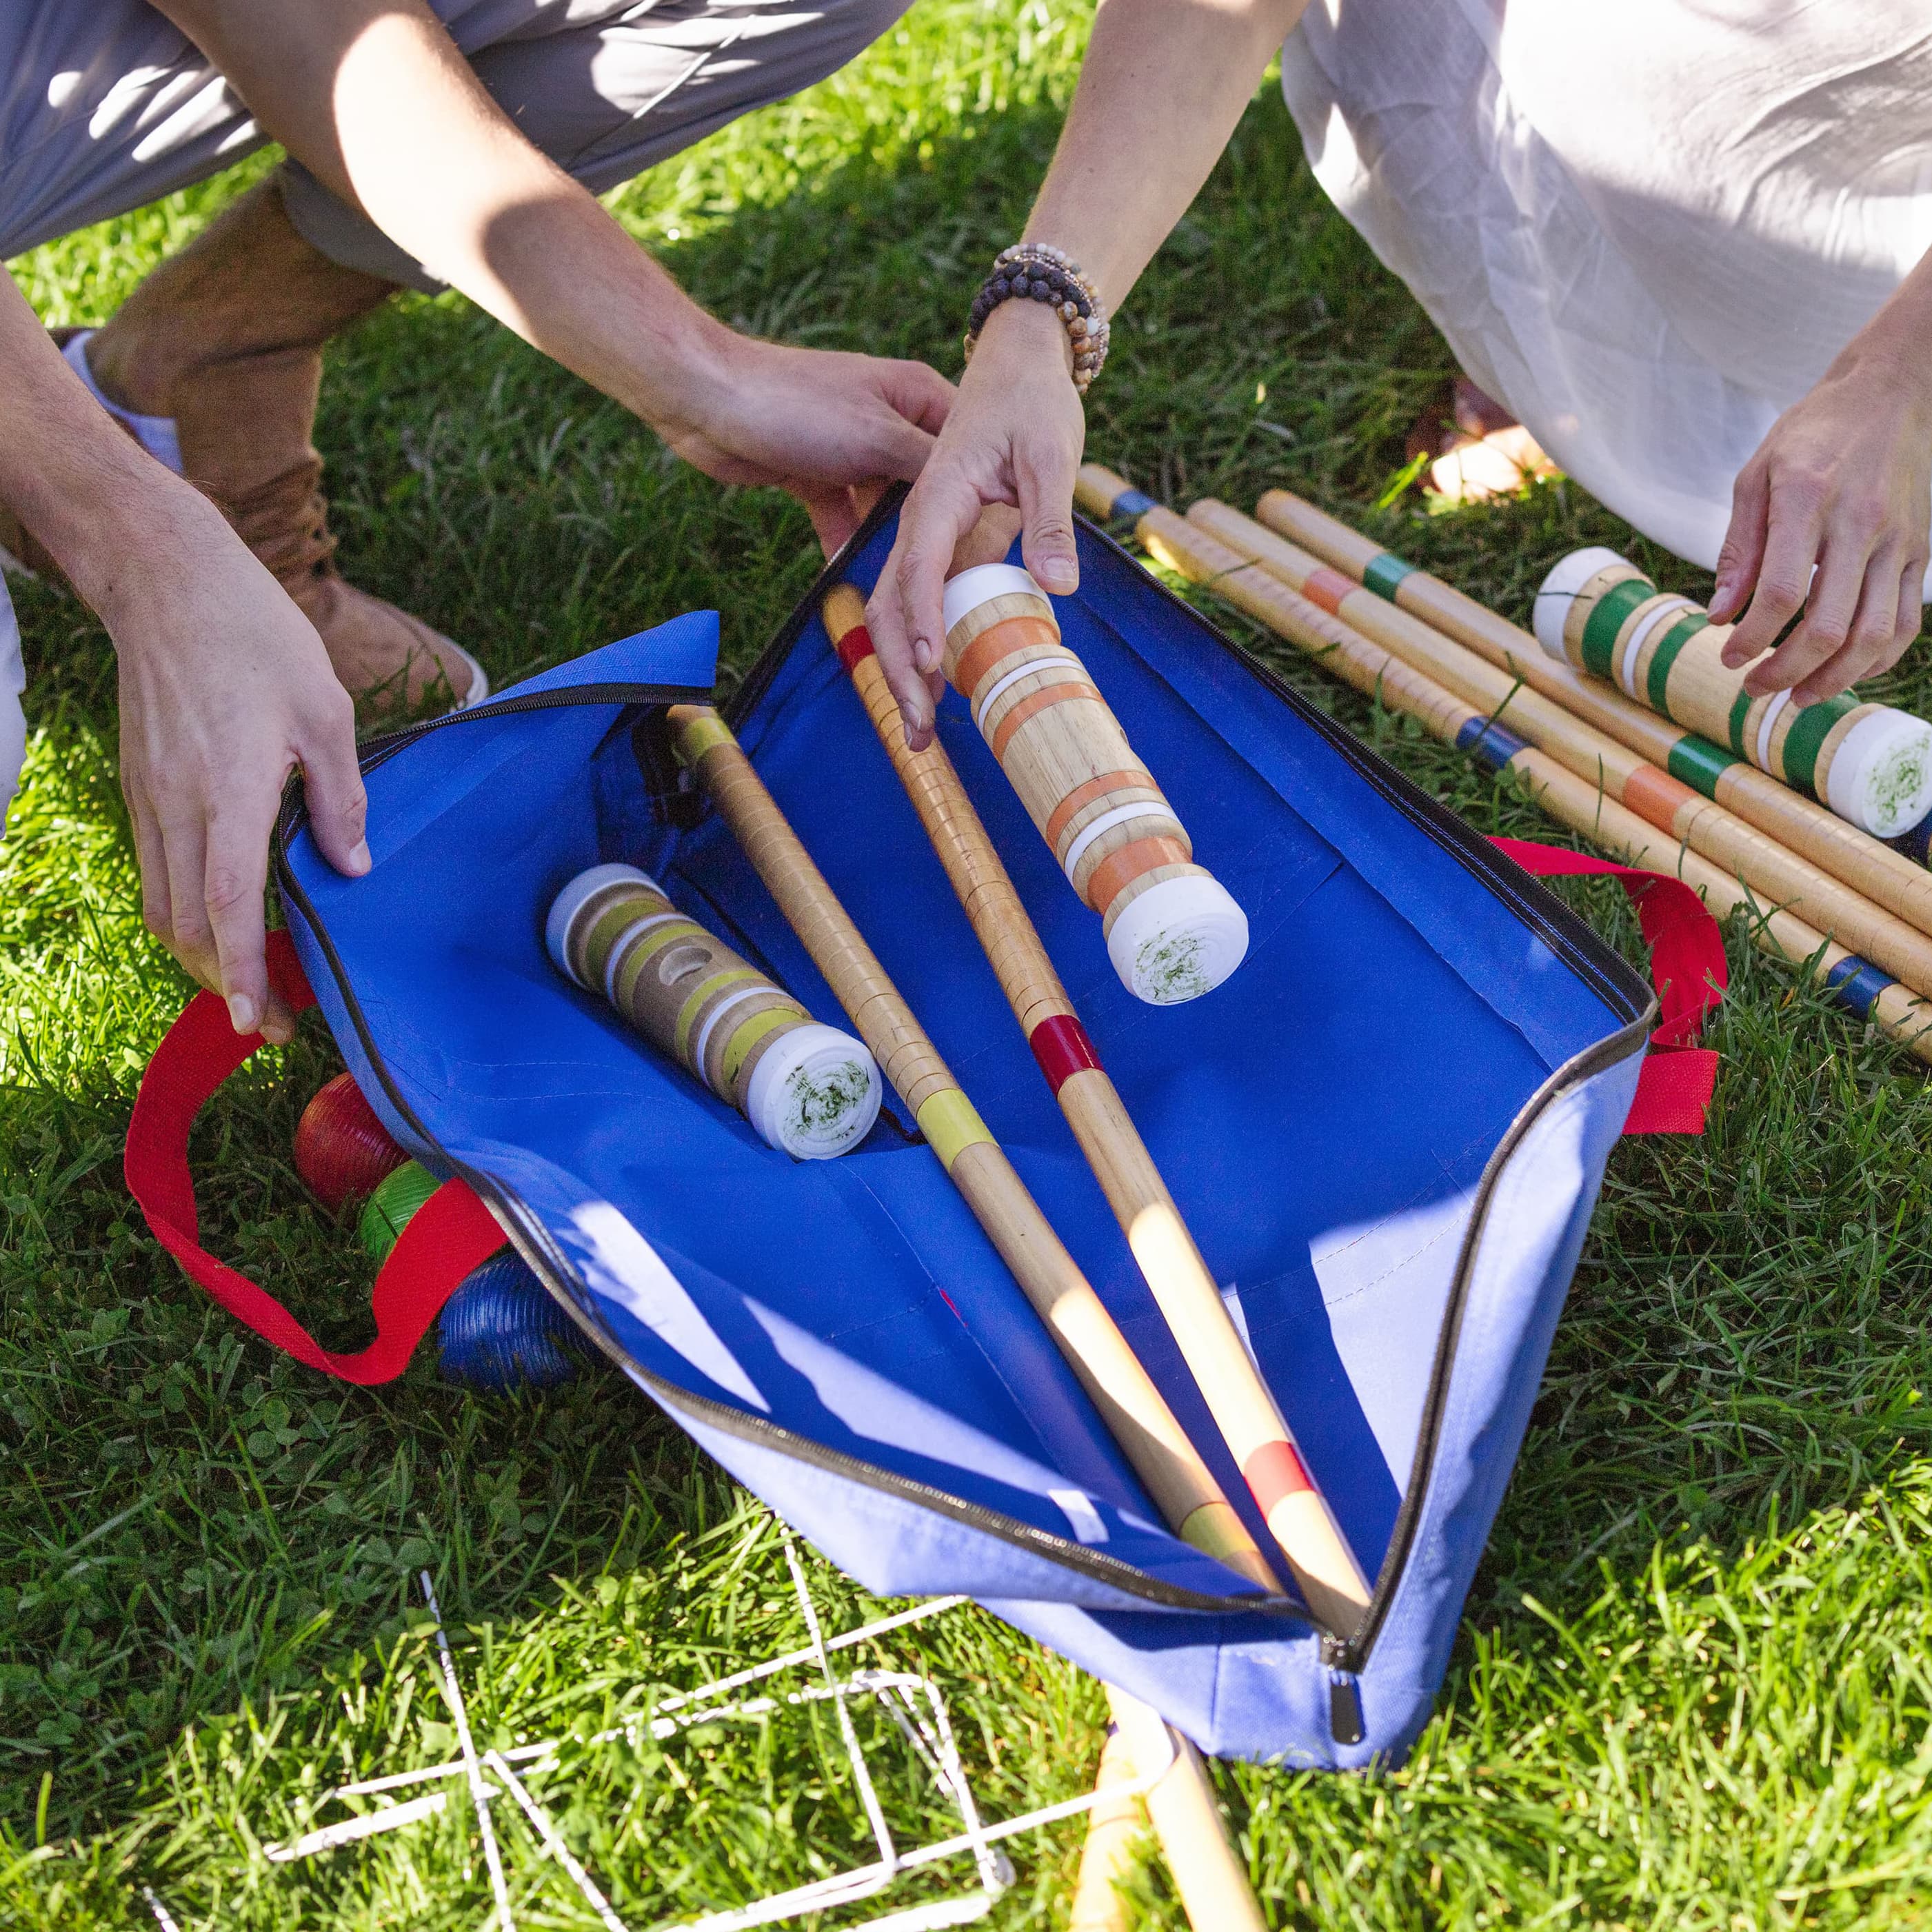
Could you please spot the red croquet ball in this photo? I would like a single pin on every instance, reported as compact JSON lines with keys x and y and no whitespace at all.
{"x":342,"y":1150}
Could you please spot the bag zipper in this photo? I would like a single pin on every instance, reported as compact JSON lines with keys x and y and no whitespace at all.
{"x":1595,"y":962}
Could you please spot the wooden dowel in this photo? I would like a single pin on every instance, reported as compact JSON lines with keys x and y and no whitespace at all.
{"x":1378,"y":673}
{"x":1208,"y":1873}
{"x":1249,"y":1420}
{"x":1884,"y":877}
{"x":1114,"y":1826}
{"x":1182,"y":1486}
{"x":1777,"y":876}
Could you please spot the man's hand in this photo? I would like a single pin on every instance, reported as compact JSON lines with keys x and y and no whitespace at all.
{"x":225,"y":689}
{"x":832,"y":429}
{"x":373,"y":97}
{"x":1013,"y":439}
{"x":1842,"y":484}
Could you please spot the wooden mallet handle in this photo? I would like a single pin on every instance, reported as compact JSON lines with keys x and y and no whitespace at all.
{"x":1207,"y":1871}
{"x":1114,"y":1826}
{"x":1153,"y":1441}
{"x":1246,"y":1414}
{"x":1887,"y":877}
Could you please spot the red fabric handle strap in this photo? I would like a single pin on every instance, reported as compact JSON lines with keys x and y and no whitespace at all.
{"x":451,"y":1234}
{"x":1687,"y":967}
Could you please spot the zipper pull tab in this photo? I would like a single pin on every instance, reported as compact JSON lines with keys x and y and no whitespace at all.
{"x":1345,"y":1707}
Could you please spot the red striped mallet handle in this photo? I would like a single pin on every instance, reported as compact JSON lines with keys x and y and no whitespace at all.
{"x":1250,"y":1420}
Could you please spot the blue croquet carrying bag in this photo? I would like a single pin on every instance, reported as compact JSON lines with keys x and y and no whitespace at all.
{"x":1387,"y":1131}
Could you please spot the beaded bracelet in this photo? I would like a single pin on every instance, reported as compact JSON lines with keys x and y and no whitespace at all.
{"x":1038,"y":271}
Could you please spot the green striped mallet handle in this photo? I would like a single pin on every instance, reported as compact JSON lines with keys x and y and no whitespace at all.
{"x":1778,"y":875}
{"x":1577,"y":802}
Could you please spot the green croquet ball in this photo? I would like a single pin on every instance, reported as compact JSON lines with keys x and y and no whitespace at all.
{"x":393,"y":1205}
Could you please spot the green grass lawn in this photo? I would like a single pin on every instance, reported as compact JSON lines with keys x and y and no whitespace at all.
{"x":1692,"y":1688}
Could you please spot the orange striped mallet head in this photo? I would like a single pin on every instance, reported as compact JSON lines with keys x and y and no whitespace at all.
{"x":1173,"y":930}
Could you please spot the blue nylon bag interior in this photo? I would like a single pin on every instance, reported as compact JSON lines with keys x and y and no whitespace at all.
{"x":1323,"y":1119}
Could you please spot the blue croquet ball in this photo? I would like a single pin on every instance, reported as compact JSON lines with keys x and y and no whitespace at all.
{"x":502,"y":1330}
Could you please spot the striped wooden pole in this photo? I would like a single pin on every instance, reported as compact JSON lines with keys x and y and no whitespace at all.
{"x":1863,"y":988}
{"x":1173,"y":930}
{"x":1776,"y":875}
{"x":1153,"y":1441}
{"x":1330,"y":1581}
{"x":1887,"y":877}
{"x":1205,"y":1870}
{"x":1871,"y":763}
{"x":810,"y":1089}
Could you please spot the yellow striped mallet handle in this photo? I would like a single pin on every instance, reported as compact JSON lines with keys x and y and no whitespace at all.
{"x":1206,"y":1871}
{"x":1778,"y":876}
{"x":1250,"y":1420}
{"x":1577,"y":802}
{"x":1888,"y":878}
{"x":1182,"y":1486}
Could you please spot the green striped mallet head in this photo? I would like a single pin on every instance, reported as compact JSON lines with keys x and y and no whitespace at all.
{"x":809,"y":1089}
{"x":1869,"y":763}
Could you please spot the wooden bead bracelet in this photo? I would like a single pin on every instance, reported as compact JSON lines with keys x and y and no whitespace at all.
{"x":1036,"y":271}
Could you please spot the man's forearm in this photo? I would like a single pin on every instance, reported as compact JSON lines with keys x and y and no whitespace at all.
{"x":98,"y":502}
{"x":1163,"y":84}
{"x":374,"y":98}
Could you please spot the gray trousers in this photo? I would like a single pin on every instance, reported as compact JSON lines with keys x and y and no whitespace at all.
{"x":105,"y":106}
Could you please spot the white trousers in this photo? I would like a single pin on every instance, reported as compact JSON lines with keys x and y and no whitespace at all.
{"x":1647,"y":226}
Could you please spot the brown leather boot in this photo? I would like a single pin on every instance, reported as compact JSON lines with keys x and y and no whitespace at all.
{"x":244,"y":427}
{"x":222,"y":345}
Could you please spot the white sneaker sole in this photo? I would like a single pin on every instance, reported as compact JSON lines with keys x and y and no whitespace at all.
{"x":479,"y":679}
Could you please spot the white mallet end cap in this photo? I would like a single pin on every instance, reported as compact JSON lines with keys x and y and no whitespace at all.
{"x":1567,"y":577}
{"x":1179,"y":939}
{"x":1881,"y":775}
{"x":574,"y":897}
{"x":984,"y":582}
{"x":814,"y":1092}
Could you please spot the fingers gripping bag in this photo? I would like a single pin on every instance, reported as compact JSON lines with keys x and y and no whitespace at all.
{"x":1386,"y":1131}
